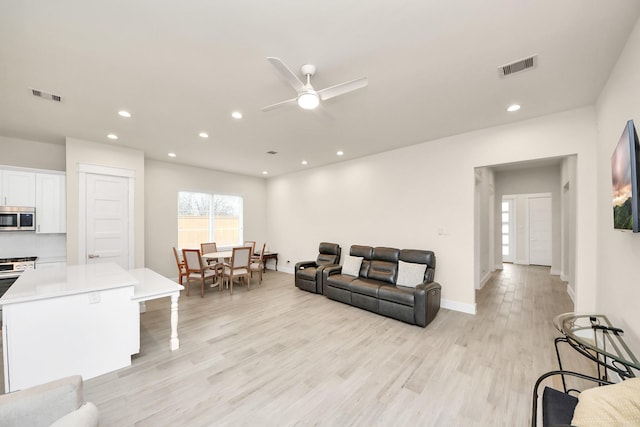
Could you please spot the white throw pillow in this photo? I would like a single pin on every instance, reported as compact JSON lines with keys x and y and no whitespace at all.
{"x":351,"y":265}
{"x":410,"y":274}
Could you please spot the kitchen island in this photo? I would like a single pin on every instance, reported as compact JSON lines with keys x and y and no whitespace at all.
{"x":80,"y":319}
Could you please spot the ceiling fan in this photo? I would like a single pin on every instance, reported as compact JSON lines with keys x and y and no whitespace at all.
{"x":309,"y":98}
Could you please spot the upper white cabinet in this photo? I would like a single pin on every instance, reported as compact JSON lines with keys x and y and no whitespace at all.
{"x":18,"y":188}
{"x":50,"y":203}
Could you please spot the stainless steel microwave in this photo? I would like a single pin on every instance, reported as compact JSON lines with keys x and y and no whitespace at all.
{"x":17,"y":218}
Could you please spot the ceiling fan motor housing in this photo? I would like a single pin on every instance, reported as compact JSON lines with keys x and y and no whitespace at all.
{"x":308,"y":70}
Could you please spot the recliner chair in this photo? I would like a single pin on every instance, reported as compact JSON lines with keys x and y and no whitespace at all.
{"x":308,"y":274}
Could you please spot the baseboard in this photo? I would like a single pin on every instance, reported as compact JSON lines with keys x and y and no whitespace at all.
{"x":521,"y":262}
{"x":564,"y":277}
{"x":458,"y":306}
{"x":554,"y":272}
{"x":498,"y":267}
{"x":284,"y":269}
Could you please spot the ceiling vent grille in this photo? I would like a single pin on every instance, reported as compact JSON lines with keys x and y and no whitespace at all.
{"x":45,"y":95}
{"x":518,"y":66}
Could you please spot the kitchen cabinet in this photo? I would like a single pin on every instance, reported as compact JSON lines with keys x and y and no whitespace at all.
{"x":50,"y":203}
{"x":18,"y":188}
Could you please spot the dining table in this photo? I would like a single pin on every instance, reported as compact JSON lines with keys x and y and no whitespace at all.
{"x":220,"y":255}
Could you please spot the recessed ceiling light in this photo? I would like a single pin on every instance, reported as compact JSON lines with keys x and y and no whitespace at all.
{"x":236,"y":115}
{"x":124,"y":113}
{"x":203,"y":135}
{"x":304,"y":162}
{"x":112,"y":136}
{"x":340,"y":153}
{"x":512,"y":108}
{"x":171,"y":154}
{"x":264,"y":172}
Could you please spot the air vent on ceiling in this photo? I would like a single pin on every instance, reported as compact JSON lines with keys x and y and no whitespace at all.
{"x":518,"y":66}
{"x":272,"y":152}
{"x":45,"y":95}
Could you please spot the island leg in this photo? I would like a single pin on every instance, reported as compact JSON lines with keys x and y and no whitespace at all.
{"x":174,"y":343}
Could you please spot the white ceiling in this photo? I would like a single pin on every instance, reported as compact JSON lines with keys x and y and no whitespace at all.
{"x":182,"y":67}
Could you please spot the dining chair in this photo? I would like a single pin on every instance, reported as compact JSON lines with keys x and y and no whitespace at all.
{"x":257,"y":263}
{"x":207,"y":248}
{"x":252,"y":245}
{"x":196,"y":270}
{"x":182,"y":270}
{"x":238,"y":266}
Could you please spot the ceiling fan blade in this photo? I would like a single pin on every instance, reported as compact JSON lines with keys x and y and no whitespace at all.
{"x":286,"y":73}
{"x":342,"y":88}
{"x":279,"y":104}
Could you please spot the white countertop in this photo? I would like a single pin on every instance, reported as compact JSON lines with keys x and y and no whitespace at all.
{"x":54,"y":282}
{"x":152,"y":285}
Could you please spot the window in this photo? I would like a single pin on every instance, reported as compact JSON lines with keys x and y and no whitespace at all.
{"x":506,"y":228}
{"x":205,"y":217}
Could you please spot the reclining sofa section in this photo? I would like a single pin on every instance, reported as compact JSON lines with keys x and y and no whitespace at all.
{"x":375,"y":289}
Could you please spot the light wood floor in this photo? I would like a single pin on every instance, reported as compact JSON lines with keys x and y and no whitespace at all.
{"x":276,"y":355}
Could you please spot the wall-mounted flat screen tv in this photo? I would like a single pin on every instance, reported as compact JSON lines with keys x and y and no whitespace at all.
{"x":624,"y":177}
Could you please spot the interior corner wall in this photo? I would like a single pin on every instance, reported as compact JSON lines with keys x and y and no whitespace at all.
{"x":163,"y":182}
{"x":422,"y":196}
{"x":568,"y":247}
{"x":618,"y":290}
{"x":95,"y":153}
{"x":484,"y":223}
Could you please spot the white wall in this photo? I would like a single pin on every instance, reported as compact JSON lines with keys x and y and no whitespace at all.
{"x":402,"y":198}
{"x":568,"y":223}
{"x":618,"y":292}
{"x":531,"y":181}
{"x":484,"y":224}
{"x":164,"y":180}
{"x":32,"y":154}
{"x":111,"y":155}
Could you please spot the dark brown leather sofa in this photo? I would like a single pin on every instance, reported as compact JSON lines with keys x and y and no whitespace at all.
{"x":375,"y":289}
{"x":308,"y":274}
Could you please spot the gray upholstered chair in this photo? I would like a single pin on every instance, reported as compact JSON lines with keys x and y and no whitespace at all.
{"x":308,"y":274}
{"x":59,"y":403}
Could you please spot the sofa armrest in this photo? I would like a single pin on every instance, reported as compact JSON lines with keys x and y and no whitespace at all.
{"x":426,"y":302}
{"x":42,"y":404}
{"x":428,"y":286}
{"x":304,"y":264}
{"x":332,"y":269}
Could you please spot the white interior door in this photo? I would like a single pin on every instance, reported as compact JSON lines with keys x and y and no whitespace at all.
{"x":540,"y":231}
{"x":107,"y":219}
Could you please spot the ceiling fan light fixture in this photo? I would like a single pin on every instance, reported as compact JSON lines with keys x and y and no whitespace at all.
{"x":308,"y":99}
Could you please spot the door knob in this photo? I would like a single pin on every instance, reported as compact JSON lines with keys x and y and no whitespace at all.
{"x":91,"y":256}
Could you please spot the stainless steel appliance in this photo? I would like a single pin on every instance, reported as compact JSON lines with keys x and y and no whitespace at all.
{"x":17,"y":218}
{"x":11,"y":269}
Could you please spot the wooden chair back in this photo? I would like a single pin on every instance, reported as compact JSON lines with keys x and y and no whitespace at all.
{"x":207,"y":248}
{"x":251,"y":244}
{"x":192,"y":260}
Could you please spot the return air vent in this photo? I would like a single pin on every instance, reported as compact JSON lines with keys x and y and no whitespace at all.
{"x":45,"y":95}
{"x":518,"y":66}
